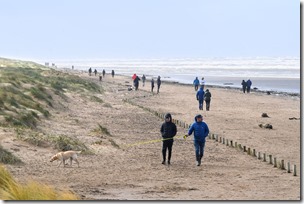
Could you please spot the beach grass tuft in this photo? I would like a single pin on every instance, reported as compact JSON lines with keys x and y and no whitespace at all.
{"x":7,"y":157}
{"x":12,"y":190}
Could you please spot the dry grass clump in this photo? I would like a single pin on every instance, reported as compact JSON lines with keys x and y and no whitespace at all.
{"x":12,"y":190}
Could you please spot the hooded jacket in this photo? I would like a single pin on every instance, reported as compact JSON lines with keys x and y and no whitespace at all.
{"x":200,"y":94}
{"x":168,"y":129}
{"x":200,"y":129}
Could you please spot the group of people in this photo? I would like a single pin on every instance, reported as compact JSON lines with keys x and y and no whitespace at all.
{"x":103,"y":73}
{"x":246,"y":85}
{"x":202,"y":95}
{"x":168,"y":131}
{"x":136,"y":80}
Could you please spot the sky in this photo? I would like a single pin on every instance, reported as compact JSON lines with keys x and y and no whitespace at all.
{"x":103,"y":29}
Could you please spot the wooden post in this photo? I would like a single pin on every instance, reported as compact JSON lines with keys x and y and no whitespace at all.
{"x":212,"y":136}
{"x":259,"y":155}
{"x":275,"y":162}
{"x":235,"y":145}
{"x":253,"y":153}
{"x":270,"y":159}
{"x":282,"y":164}
{"x":248,"y":152}
{"x":264,"y":157}
{"x":220,"y":139}
{"x":288,"y":167}
{"x":231,"y":143}
{"x":244,"y":148}
{"x":294,"y":170}
{"x":227,"y":142}
{"x":223,"y":140}
{"x":216,"y":138}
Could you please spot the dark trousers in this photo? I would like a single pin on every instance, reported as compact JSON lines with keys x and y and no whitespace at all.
{"x":167,"y":144}
{"x":248,"y":89}
{"x":244,"y":89}
{"x":199,"y":149}
{"x":200,"y":104}
{"x":207,"y":105}
{"x":196,"y":87}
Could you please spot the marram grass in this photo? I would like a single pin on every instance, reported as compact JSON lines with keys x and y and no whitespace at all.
{"x":12,"y":190}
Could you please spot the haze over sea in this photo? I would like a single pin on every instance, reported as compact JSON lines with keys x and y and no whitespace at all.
{"x":281,"y":74}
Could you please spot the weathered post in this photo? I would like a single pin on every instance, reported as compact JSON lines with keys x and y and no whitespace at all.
{"x":288,"y":167}
{"x":223,"y":140}
{"x":235,"y":145}
{"x":227,"y":142}
{"x":216,"y":138}
{"x":231,"y":143}
{"x":259,"y":155}
{"x":294,"y":170}
{"x":248,"y":152}
{"x":264,"y":157}
{"x":253,"y":153}
{"x":244,"y":148}
{"x":275,"y":162}
{"x":270,"y":159}
{"x":220,"y":139}
{"x":282,"y":164}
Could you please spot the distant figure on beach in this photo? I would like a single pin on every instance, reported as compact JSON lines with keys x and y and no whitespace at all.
{"x":196,"y":83}
{"x":90,"y":71}
{"x":152,"y":85}
{"x":72,"y":66}
{"x":249,"y":83}
{"x":244,"y":85}
{"x":158,"y":83}
{"x":136,"y":82}
{"x":203,"y":82}
{"x":143,"y":79}
{"x":100,"y":77}
{"x":113,"y":73}
{"x":95,"y":72}
{"x":200,"y":94}
{"x":168,"y":131}
{"x":103,"y":73}
{"x":201,"y":131}
{"x":207,"y":99}
{"x":133,"y":78}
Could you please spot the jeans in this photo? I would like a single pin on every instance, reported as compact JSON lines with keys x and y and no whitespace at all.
{"x":199,"y":148}
{"x":200,"y":104}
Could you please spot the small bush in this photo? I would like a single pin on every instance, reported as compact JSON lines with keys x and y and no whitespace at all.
{"x":7,"y":157}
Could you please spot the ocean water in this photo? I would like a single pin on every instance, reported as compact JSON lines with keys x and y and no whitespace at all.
{"x":280,"y":74}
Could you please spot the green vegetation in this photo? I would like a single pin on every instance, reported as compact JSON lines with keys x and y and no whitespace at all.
{"x":12,"y":190}
{"x":27,"y":91}
{"x":7,"y":157}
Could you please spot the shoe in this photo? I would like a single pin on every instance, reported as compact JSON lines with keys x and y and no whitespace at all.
{"x":163,"y":162}
{"x":197,"y":163}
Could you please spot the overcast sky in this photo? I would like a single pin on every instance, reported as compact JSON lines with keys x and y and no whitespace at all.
{"x":96,"y":29}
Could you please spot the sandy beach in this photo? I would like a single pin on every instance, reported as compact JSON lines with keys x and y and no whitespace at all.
{"x":132,"y":170}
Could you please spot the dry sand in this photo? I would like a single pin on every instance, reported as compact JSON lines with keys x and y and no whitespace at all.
{"x":136,"y":173}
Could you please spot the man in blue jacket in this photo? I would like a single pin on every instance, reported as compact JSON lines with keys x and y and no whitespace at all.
{"x":200,"y":97}
{"x":201,"y":131}
{"x":196,"y":83}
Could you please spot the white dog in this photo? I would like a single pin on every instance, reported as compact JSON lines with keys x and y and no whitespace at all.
{"x":62,"y":156}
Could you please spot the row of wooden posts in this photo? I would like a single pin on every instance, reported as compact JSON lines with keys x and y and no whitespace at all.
{"x":251,"y":152}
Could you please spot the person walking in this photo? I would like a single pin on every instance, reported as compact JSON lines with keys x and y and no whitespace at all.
{"x":196,"y":83}
{"x":200,"y":97}
{"x":207,"y":99}
{"x":158,"y":83}
{"x":203,"y":83}
{"x":103,"y":73}
{"x":136,"y":82}
{"x":201,"y":131}
{"x":90,"y":71}
{"x":168,"y":131}
{"x":249,"y":83}
{"x":113,"y":73}
{"x":143,"y":79}
{"x":244,"y":84}
{"x":95,"y":72}
{"x":152,"y":85}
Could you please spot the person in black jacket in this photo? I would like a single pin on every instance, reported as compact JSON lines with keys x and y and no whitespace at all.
{"x":168,"y":131}
{"x":207,"y":99}
{"x":244,"y":85}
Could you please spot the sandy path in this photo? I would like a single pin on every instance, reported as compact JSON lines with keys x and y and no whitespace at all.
{"x":136,"y":173}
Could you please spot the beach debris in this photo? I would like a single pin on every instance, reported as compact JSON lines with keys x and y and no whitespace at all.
{"x":255,"y":88}
{"x":268,"y":92}
{"x":264,"y":115}
{"x":130,"y":89}
{"x":294,"y":118}
{"x":266,"y":126}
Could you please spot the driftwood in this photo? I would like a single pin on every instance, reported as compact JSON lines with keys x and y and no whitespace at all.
{"x":267,"y":126}
{"x":264,"y":115}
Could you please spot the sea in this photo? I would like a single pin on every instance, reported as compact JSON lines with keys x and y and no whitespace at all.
{"x":279,"y":74}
